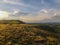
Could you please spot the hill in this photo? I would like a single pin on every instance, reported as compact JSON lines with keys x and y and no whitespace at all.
{"x":11,"y":22}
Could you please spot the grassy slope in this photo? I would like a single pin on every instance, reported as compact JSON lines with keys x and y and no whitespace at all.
{"x":29,"y":34}
{"x":11,"y":22}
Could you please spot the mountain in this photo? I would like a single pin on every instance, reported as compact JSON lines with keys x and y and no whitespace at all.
{"x":11,"y":22}
{"x":55,"y":19}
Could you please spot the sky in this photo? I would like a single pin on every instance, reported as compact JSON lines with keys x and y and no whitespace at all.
{"x":31,"y":11}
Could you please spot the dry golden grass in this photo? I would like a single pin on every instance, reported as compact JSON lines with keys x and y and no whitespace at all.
{"x":26,"y":34}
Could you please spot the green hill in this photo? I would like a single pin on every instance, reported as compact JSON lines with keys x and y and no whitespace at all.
{"x":11,"y":22}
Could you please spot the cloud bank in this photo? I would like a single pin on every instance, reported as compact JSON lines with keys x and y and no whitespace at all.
{"x":31,"y":10}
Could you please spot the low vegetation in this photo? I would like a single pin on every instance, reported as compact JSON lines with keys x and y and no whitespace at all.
{"x":29,"y":34}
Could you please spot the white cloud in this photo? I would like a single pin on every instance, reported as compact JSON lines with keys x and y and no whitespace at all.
{"x":15,"y":12}
{"x":41,"y":15}
{"x":14,"y":2}
{"x":44,"y":10}
{"x":4,"y":15}
{"x":5,"y":0}
{"x":37,"y":17}
{"x":18,"y":2}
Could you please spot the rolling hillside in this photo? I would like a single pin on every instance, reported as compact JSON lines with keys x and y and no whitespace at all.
{"x":29,"y":34}
{"x":11,"y":22}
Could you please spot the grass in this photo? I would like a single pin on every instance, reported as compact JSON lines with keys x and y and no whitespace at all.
{"x":29,"y":34}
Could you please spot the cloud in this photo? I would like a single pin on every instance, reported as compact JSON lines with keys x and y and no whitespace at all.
{"x":12,"y":0}
{"x":44,"y":15}
{"x":4,"y":15}
{"x":5,"y":0}
{"x":56,"y":1}
{"x":53,"y":19}
{"x":44,"y":10}
{"x":15,"y":12}
{"x":15,"y":2}
{"x":19,"y":3}
{"x":42,"y":1}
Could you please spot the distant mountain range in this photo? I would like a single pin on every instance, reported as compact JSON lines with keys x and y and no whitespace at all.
{"x":11,"y":22}
{"x":54,"y":19}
